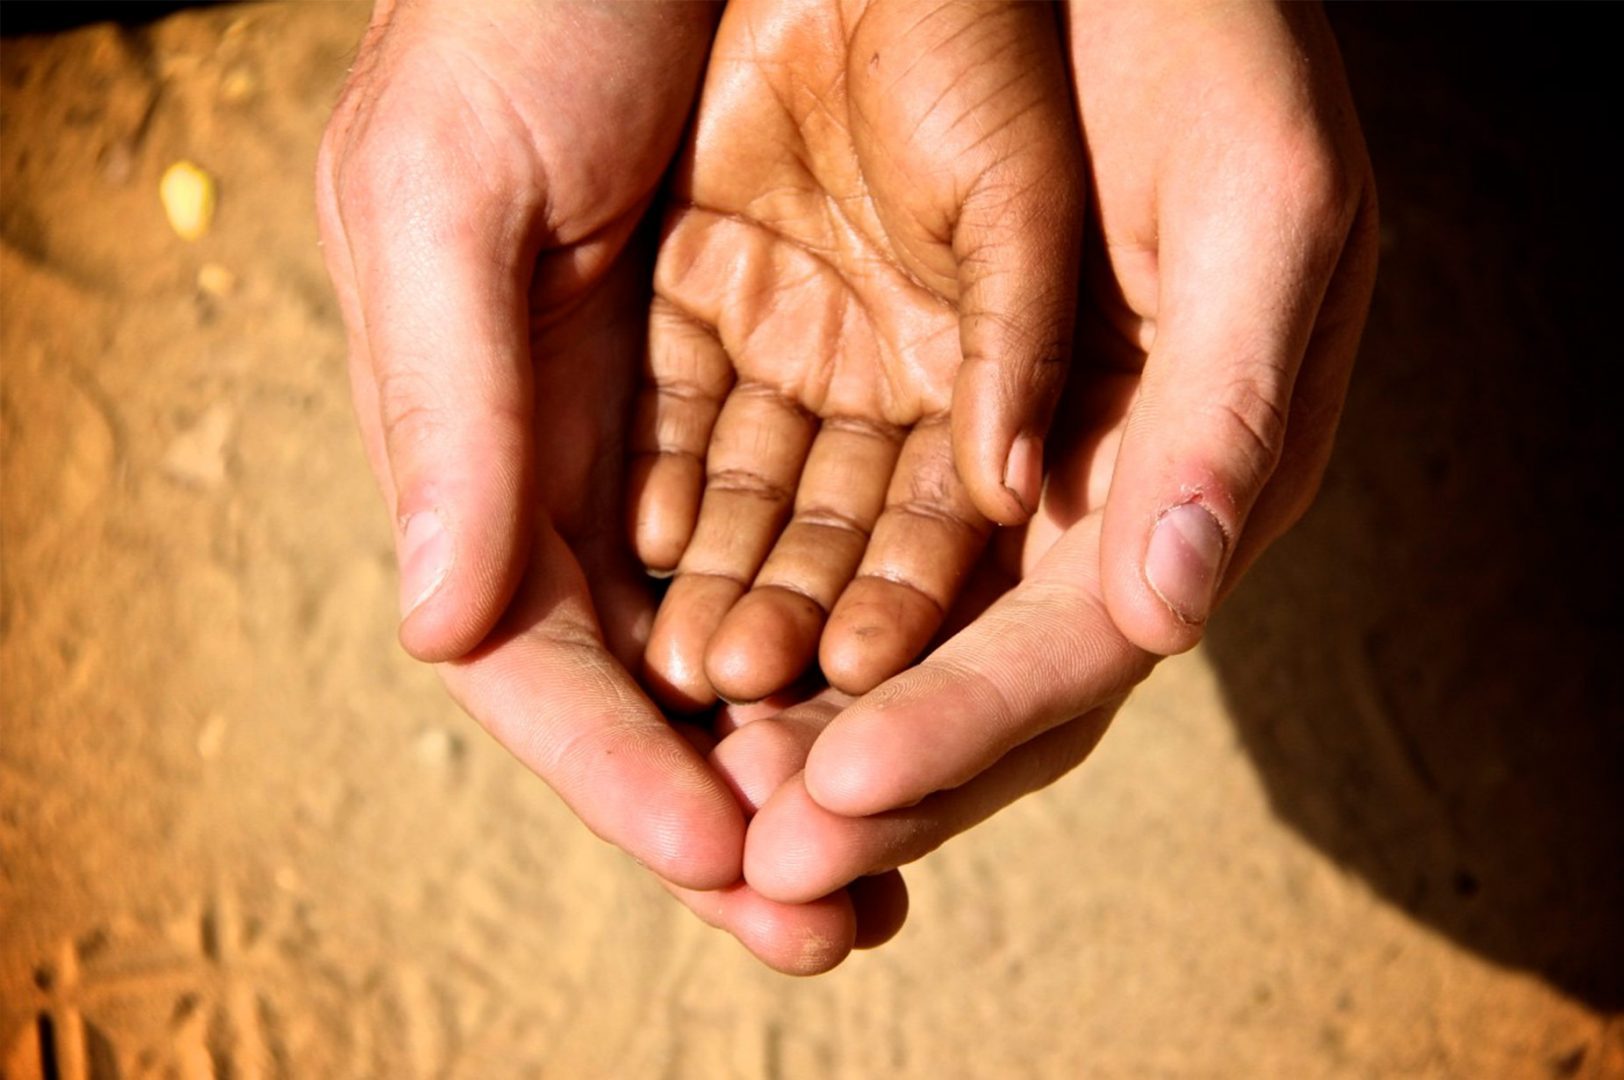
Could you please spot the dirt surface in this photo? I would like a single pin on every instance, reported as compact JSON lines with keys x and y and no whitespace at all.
{"x":1368,"y":830}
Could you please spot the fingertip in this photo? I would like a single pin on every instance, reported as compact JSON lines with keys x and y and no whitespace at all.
{"x":793,"y":939}
{"x":1161,"y":581}
{"x":674,"y":661}
{"x":846,"y":774}
{"x":1023,"y":475}
{"x":449,"y":626}
{"x":816,"y":939}
{"x":760,"y":756}
{"x":996,"y":502}
{"x":903,"y":741}
{"x":425,"y":639}
{"x":730,"y":716}
{"x":625,"y":607}
{"x":704,"y":852}
{"x":996,"y":469}
{"x":675,"y":689}
{"x":786,"y":853}
{"x":756,"y":760}
{"x":881,"y":903}
{"x":842,"y":787}
{"x":855,"y":657}
{"x":764,"y":644}
{"x":448,"y":605}
{"x":877,"y":628}
{"x":1004,"y":487}
{"x":649,"y":791}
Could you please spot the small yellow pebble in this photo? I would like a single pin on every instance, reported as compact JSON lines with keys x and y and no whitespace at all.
{"x":216,"y":280}
{"x":188,"y":195}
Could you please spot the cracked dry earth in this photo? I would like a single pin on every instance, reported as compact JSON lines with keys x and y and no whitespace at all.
{"x":242,"y":835}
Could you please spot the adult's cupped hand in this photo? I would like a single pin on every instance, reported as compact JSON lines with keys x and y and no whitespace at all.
{"x":479,"y":191}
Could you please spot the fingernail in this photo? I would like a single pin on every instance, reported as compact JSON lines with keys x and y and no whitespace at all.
{"x":1186,"y":548}
{"x":1023,"y":472}
{"x":425,"y":558}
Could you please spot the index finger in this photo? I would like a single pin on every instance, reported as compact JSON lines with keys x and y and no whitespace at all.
{"x":547,"y":689}
{"x":1044,"y":653}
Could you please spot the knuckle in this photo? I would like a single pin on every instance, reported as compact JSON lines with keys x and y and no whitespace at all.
{"x":1315,"y":183}
{"x":675,"y":390}
{"x":408,"y":410}
{"x":903,"y":579}
{"x":1251,"y":427}
{"x":1021,"y":347}
{"x":747,"y":483}
{"x":860,"y":427}
{"x":828,"y":517}
{"x":766,"y":746}
{"x":936,"y":513}
{"x":412,"y":176}
{"x":375,"y":172}
{"x":1325,"y":185}
{"x":1020,"y":327}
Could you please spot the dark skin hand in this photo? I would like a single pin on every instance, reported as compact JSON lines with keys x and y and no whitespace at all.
{"x":863,"y":305}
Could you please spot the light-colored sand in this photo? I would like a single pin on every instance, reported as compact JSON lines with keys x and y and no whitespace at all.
{"x":241,"y":834}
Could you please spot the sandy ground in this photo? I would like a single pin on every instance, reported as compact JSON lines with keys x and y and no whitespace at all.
{"x":1372,"y":828}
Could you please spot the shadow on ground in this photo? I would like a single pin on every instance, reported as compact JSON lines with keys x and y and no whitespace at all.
{"x":1426,"y":671}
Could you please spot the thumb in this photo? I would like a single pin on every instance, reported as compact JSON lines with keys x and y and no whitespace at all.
{"x":1237,"y":307}
{"x":1017,"y":244}
{"x":439,"y":273}
{"x":968,"y":141}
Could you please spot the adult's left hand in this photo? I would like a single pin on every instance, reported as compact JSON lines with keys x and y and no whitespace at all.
{"x":480,"y":187}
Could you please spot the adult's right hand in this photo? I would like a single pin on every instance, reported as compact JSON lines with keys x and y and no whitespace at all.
{"x":478,"y":191}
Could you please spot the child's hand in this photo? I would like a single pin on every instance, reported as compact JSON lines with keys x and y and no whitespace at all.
{"x":875,"y":226}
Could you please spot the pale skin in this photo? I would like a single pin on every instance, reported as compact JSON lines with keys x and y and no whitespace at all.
{"x":862,"y":311}
{"x":1234,"y":194}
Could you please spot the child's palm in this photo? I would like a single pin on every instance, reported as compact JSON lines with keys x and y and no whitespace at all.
{"x":861,"y":235}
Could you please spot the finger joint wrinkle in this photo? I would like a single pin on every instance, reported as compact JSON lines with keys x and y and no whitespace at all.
{"x":745,"y":482}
